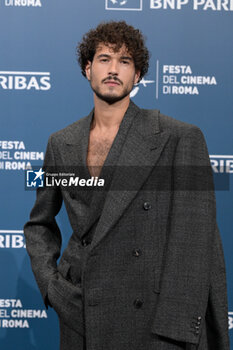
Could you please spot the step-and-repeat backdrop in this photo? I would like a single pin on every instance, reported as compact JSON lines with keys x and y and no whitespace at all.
{"x":42,"y":90}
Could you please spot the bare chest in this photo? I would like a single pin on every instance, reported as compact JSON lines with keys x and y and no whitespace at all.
{"x":98,"y":150}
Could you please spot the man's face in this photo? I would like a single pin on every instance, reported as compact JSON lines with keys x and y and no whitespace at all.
{"x":111,"y":74}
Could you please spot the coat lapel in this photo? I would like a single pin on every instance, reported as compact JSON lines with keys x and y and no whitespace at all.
{"x":139,"y":154}
{"x":75,"y":152}
{"x":76,"y":142}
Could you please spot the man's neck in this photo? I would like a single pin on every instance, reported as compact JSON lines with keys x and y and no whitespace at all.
{"x":108,"y":116}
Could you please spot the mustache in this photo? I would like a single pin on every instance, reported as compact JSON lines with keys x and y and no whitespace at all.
{"x":112,"y":78}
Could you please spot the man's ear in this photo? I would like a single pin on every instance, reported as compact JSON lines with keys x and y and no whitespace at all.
{"x":137,"y":76}
{"x":88,"y":70}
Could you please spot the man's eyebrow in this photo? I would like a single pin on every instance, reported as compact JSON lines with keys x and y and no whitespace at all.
{"x":126,"y":58}
{"x":103,"y":55}
{"x":122,"y":57}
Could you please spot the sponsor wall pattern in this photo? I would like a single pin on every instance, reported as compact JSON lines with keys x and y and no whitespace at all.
{"x":42,"y":90}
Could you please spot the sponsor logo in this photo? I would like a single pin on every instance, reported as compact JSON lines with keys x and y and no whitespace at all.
{"x":204,"y":5}
{"x":25,"y":3}
{"x":222,"y":163}
{"x":222,"y":166}
{"x":10,"y":80}
{"x":13,"y":156}
{"x":230,"y":320}
{"x":12,"y":314}
{"x":142,"y":82}
{"x":12,"y":239}
{"x":35,"y":178}
{"x":195,"y":5}
{"x":180,"y":80}
{"x":125,"y":5}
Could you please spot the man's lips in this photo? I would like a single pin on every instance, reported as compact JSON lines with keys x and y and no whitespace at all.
{"x":111,"y":82}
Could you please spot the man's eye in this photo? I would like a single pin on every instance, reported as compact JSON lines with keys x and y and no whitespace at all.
{"x":104,"y":60}
{"x":125,"y":62}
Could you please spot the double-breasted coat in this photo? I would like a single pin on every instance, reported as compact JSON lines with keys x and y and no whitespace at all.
{"x":144,"y":266}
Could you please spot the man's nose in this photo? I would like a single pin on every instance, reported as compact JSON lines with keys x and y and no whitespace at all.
{"x":113,"y":68}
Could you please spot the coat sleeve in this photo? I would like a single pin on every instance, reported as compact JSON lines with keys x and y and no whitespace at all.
{"x":193,"y":280}
{"x":42,"y":234}
{"x":217,"y":309}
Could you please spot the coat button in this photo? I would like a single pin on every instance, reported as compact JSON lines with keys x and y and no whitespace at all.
{"x":147,"y":206}
{"x":85,"y":242}
{"x":138,"y":303}
{"x":137,"y":252}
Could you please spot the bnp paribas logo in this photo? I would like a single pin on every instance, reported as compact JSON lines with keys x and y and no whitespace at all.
{"x":18,"y":80}
{"x":230,"y":320}
{"x":124,"y":5}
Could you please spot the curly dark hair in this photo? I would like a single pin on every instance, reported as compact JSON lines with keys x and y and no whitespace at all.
{"x":116,"y":34}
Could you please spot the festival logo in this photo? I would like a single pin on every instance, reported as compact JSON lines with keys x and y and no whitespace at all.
{"x":14,"y":315}
{"x":143,"y":83}
{"x":24,"y":3}
{"x":15,"y":156}
{"x":181,"y":79}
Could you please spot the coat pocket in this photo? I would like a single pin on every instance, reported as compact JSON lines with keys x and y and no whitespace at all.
{"x":66,"y":299}
{"x":64,"y":269}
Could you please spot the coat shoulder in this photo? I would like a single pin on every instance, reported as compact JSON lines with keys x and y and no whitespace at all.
{"x":177,"y":127}
{"x":71,"y":132}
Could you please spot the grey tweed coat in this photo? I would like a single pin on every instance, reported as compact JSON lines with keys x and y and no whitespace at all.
{"x":144,"y":267}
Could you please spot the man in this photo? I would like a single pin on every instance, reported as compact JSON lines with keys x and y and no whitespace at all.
{"x":144,"y":267}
